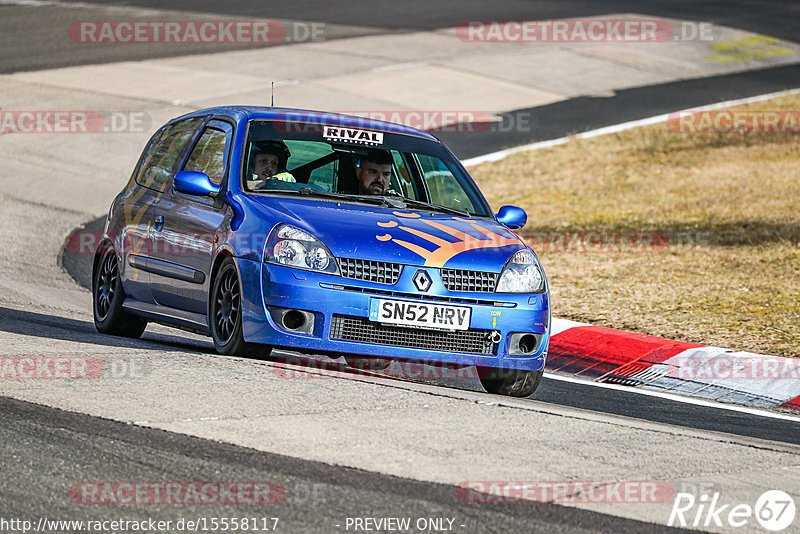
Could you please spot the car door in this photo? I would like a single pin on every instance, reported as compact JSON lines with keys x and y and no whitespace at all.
{"x":191,"y":227}
{"x":140,"y":204}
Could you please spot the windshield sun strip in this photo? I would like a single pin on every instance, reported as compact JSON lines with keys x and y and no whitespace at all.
{"x":426,"y":136}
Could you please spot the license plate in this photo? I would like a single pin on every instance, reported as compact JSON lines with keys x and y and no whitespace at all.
{"x":419,"y":314}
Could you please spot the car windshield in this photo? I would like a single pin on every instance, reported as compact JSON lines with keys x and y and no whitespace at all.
{"x":352,"y":163}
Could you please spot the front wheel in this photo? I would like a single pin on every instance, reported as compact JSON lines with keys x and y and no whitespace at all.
{"x":107,"y":297}
{"x":225,"y":315}
{"x":511,"y":382}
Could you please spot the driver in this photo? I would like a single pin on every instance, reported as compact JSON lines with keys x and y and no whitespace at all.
{"x":269,"y":163}
{"x":374,"y":173}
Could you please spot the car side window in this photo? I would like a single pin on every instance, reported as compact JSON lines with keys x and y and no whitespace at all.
{"x":208,"y":155}
{"x":163,"y":153}
{"x":443,"y":187}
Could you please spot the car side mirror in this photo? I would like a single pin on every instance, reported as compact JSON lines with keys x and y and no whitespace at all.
{"x":195,"y":183}
{"x":512,"y":216}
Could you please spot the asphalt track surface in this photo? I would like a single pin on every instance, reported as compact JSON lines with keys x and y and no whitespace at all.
{"x":68,"y":447}
{"x":577,"y":115}
{"x":45,"y":40}
{"x":65,"y":447}
{"x":46,"y":47}
{"x":761,"y":16}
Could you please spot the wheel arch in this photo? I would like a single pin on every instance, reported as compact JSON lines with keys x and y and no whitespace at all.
{"x":98,"y":252}
{"x":215,"y":265}
{"x":218,"y":259}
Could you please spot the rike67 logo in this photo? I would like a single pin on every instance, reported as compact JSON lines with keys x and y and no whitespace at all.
{"x":774,"y":510}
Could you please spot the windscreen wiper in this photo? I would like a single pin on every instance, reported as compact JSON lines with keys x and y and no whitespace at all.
{"x":380,"y":200}
{"x":368,"y":199}
{"x":434,"y":207}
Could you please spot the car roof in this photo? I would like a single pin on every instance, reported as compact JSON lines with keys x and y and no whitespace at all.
{"x":306,"y":115}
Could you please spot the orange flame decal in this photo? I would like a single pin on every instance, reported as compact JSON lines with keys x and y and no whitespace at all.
{"x":445,"y":250}
{"x":407,"y":215}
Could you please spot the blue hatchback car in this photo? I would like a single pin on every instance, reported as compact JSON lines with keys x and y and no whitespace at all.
{"x":322,"y":233}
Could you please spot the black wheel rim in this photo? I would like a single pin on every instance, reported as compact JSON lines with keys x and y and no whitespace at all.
{"x":226,"y":305}
{"x":106,"y":284}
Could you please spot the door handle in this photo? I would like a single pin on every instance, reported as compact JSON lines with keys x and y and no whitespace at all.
{"x":158,"y":223}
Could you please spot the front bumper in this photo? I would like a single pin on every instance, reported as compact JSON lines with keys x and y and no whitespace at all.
{"x":331,"y":298}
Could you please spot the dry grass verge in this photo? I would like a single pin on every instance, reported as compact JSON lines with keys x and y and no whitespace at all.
{"x":729,"y":204}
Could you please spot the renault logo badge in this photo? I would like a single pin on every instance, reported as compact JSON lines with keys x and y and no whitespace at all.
{"x":422,"y":280}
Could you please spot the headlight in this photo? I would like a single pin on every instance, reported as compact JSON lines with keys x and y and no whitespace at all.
{"x":522,"y":274}
{"x":296,"y":248}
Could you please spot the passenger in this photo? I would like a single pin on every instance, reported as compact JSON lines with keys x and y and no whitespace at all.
{"x":269,"y":163}
{"x":374,"y":173}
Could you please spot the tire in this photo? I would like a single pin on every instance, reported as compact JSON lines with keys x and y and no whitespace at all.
{"x":107,"y":298}
{"x":225,"y":314}
{"x":511,"y":382}
{"x":367,"y":364}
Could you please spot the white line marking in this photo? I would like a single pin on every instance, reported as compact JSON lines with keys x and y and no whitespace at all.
{"x":559,"y":326}
{"x":496,"y":156}
{"x":677,"y":398}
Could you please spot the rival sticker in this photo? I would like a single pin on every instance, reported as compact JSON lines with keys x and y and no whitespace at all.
{"x":351,"y":135}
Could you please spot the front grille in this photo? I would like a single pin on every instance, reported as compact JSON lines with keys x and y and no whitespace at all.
{"x":380,"y":272}
{"x":360,"y":329}
{"x":469,"y":281}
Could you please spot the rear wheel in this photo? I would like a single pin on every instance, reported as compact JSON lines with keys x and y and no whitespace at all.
{"x":225,"y":315}
{"x":511,"y":382}
{"x":367,"y":364}
{"x":107,"y":298}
